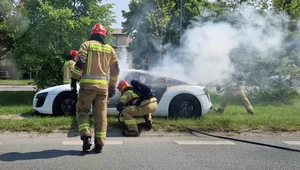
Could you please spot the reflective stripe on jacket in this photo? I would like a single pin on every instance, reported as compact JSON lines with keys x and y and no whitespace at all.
{"x":129,"y":96}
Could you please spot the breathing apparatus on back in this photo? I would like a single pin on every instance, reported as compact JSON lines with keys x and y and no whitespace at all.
{"x":145,"y":91}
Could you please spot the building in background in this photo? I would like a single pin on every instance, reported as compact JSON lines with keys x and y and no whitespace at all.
{"x":121,"y":43}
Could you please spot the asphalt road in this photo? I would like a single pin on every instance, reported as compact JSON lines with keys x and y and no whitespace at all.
{"x":17,"y":88}
{"x":157,"y":152}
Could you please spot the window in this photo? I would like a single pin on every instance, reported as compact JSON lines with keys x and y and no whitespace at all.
{"x":114,"y":40}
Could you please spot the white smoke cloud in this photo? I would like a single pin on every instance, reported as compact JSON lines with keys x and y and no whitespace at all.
{"x":124,"y":62}
{"x":206,"y":47}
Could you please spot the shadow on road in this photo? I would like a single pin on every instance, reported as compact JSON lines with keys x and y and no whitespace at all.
{"x":46,"y":154}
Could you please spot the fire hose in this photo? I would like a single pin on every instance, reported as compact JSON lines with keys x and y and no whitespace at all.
{"x":235,"y":139}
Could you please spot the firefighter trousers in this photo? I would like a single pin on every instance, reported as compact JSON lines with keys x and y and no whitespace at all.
{"x":144,"y":109}
{"x":98,"y":99}
{"x":235,"y":91}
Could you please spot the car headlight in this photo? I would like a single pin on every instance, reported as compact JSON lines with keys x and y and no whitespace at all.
{"x":40,"y":99}
{"x":207,"y":94}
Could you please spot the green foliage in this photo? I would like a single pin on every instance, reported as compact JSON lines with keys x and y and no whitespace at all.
{"x":12,"y":25}
{"x":272,"y":76}
{"x":56,"y":27}
{"x":153,"y":24}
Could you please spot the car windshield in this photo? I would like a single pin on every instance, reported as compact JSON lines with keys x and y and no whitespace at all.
{"x":151,"y":79}
{"x":174,"y":82}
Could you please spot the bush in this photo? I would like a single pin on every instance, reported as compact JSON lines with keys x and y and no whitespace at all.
{"x":279,"y":91}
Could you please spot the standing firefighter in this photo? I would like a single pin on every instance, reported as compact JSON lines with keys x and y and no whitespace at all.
{"x":136,"y":100}
{"x":234,"y":88}
{"x":94,"y":59}
{"x":69,"y":66}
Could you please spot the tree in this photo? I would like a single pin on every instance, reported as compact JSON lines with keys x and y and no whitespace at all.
{"x":274,"y":74}
{"x":12,"y":24}
{"x":55,"y":28}
{"x":159,"y":22}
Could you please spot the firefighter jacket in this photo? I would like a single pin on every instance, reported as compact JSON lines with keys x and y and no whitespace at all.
{"x":93,"y":62}
{"x":67,"y":71}
{"x":129,"y":97}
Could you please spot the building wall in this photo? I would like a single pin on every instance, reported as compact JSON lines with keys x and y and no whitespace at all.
{"x":121,"y":40}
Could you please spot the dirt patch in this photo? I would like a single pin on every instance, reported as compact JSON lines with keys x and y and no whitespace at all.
{"x":15,"y":117}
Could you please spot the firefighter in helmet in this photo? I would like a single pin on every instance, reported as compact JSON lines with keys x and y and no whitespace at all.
{"x":69,"y":66}
{"x":234,"y":88}
{"x":95,"y":59}
{"x":131,"y":104}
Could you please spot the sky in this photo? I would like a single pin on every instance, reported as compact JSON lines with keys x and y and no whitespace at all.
{"x":118,"y":7}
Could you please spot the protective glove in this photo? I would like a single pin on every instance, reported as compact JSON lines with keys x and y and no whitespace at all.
{"x":139,"y":101}
{"x":218,"y":88}
{"x":74,"y":88}
{"x":111,"y":91}
{"x":120,"y":106}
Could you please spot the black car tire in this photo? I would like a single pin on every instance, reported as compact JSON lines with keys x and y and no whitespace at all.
{"x":184,"y":106}
{"x":64,"y":105}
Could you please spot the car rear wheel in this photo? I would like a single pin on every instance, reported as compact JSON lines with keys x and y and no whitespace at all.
{"x":185,"y":106}
{"x":64,"y":105}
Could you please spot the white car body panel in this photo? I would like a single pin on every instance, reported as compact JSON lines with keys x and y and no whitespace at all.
{"x":47,"y":107}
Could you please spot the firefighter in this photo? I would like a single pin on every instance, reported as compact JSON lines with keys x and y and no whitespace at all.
{"x":234,"y":88}
{"x":69,"y":66}
{"x":132,"y":104}
{"x":94,"y":60}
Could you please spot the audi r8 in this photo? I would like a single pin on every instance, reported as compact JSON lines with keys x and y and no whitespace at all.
{"x":175,"y":98}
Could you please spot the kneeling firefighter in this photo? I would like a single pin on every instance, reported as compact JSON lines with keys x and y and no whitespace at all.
{"x":137,"y":99}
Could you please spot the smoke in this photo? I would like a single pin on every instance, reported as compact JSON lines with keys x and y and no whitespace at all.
{"x":124,"y":59}
{"x":15,"y":26}
{"x":17,"y":22}
{"x":206,"y":48}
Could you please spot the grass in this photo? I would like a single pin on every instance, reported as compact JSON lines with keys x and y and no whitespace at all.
{"x":16,"y":114}
{"x":16,"y":102}
{"x":15,"y":82}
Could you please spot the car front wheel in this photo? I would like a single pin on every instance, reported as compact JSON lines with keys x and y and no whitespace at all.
{"x":64,"y":105}
{"x":185,"y":106}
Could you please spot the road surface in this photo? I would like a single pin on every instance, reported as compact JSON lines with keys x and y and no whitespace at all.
{"x":199,"y":152}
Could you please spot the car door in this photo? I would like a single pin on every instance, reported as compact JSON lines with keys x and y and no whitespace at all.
{"x":158,"y":84}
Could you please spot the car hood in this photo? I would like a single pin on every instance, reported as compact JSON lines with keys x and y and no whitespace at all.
{"x":189,"y":89}
{"x":56,"y":89}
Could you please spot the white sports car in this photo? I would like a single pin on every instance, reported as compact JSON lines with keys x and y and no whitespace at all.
{"x":175,"y":98}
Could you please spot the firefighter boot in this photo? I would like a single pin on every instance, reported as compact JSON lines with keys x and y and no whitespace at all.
{"x":98,"y":147}
{"x":131,"y":133}
{"x":86,"y":143}
{"x":148,"y":125}
{"x":250,"y":112}
{"x":219,"y":110}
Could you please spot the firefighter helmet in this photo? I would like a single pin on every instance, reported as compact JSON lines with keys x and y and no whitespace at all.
{"x":99,"y":29}
{"x":73,"y":53}
{"x":122,"y":85}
